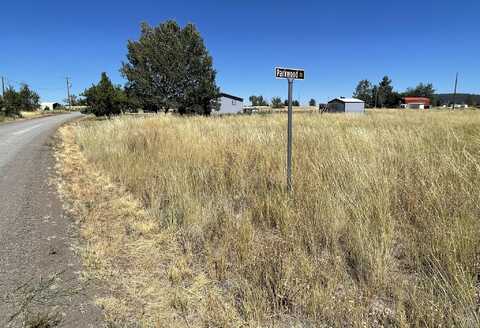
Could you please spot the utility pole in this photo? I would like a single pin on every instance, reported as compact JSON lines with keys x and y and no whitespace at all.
{"x":68,"y":92}
{"x":3,"y":86}
{"x":455,"y":92}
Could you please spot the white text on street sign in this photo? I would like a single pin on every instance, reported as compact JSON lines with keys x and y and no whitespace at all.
{"x":289,"y":73}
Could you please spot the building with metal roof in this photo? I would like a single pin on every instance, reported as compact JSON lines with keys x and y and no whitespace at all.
{"x":229,"y":104}
{"x":346,"y":105}
{"x":416,"y":102}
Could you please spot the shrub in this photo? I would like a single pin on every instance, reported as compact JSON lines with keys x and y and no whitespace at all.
{"x":277,"y":102}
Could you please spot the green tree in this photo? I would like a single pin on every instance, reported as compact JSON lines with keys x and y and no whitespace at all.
{"x":170,"y":67}
{"x":312,"y":102}
{"x":258,"y":101}
{"x":364,"y":91}
{"x":437,"y":101}
{"x":105,"y":99}
{"x":29,"y":98}
{"x":294,"y":103}
{"x":470,"y":101}
{"x":12,"y":102}
{"x":422,"y":90}
{"x":385,"y":95}
{"x":375,"y":96}
{"x":277,"y":102}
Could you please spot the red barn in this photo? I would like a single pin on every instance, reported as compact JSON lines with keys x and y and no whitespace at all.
{"x":416,"y":102}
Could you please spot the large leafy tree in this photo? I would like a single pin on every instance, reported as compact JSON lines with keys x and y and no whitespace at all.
{"x":169,"y":67}
{"x":312,"y":102}
{"x":364,"y":91}
{"x":106,"y":99}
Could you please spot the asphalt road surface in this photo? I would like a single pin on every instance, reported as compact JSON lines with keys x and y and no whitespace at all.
{"x":39,"y":269}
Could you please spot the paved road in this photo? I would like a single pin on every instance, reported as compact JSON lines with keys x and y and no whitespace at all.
{"x":36,"y":237}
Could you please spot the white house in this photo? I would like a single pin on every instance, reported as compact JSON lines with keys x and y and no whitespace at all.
{"x":346,"y":105}
{"x":229,"y":104}
{"x":49,"y":105}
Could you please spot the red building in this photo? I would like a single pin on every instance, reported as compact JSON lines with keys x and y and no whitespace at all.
{"x":416,"y":102}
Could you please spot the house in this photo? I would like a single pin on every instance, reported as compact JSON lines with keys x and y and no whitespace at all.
{"x":346,"y":105}
{"x":49,"y":105}
{"x":416,"y":103}
{"x":229,"y":104}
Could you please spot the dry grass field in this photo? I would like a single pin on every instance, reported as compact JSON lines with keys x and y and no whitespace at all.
{"x":187,"y":223}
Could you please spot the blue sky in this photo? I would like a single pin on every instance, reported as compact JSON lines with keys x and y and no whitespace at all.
{"x":337,"y":42}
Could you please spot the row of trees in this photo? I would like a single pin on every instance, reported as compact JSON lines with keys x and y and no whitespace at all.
{"x":384,"y":95}
{"x":13,"y":101}
{"x":277,"y":102}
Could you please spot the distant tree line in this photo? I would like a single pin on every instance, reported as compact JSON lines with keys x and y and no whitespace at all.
{"x":384,"y":95}
{"x":276,"y":102}
{"x":258,"y":101}
{"x":14,"y":101}
{"x":460,"y":98}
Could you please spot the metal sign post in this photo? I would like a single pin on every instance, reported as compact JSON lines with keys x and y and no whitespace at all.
{"x":290,"y":74}
{"x":289,"y":136}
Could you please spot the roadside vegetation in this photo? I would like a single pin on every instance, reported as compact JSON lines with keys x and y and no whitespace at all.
{"x":21,"y":103}
{"x":187,"y":221}
{"x":13,"y":102}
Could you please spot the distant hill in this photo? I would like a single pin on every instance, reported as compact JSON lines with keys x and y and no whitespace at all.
{"x":461,"y":98}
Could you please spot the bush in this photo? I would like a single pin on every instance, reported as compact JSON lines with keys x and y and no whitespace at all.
{"x":12,"y":102}
{"x":277,"y":102}
{"x":105,"y":99}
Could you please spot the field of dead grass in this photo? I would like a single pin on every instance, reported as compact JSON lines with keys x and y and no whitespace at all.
{"x":187,"y":223}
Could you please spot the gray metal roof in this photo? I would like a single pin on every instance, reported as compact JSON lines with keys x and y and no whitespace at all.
{"x":348,"y":100}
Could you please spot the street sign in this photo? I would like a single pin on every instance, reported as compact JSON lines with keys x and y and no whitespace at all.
{"x":289,"y":73}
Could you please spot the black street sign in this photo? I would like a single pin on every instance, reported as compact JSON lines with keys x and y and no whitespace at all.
{"x":289,"y":73}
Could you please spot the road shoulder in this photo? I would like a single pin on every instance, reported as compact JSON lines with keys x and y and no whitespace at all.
{"x":125,"y":250}
{"x":40,"y":281}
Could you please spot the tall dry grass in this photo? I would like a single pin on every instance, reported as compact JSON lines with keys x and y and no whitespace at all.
{"x":382,"y":228}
